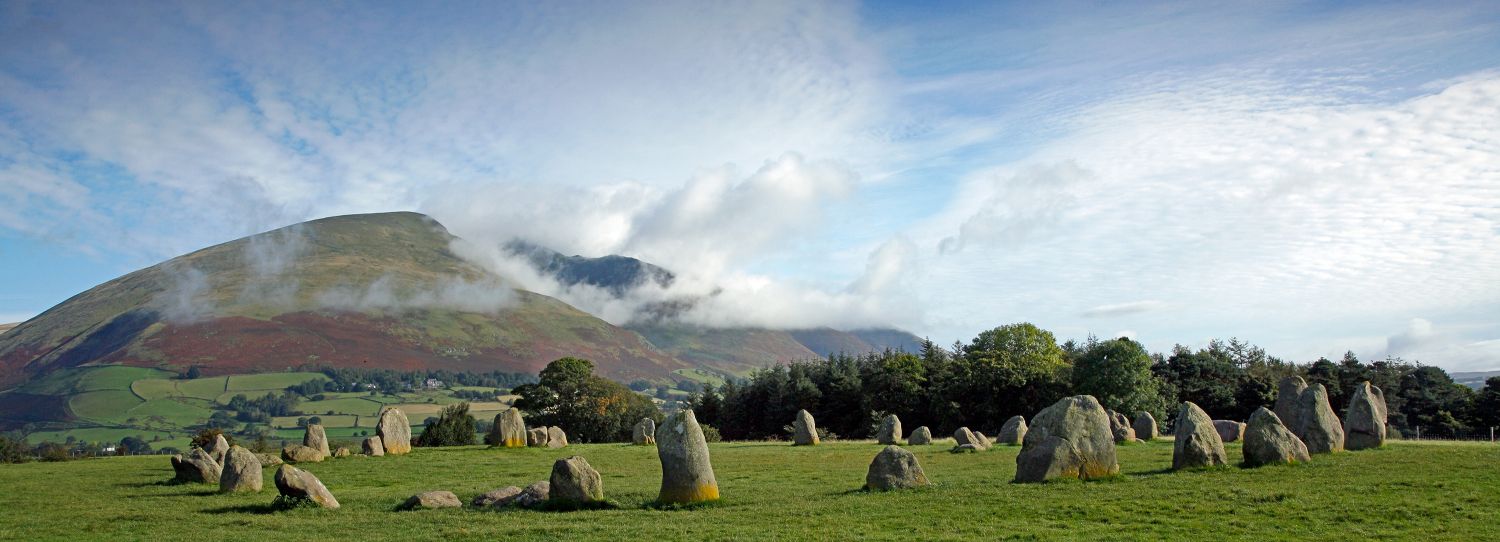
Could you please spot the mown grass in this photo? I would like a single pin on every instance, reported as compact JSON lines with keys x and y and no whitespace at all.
{"x":270,"y":381}
{"x":104,"y":406}
{"x":773,"y":491}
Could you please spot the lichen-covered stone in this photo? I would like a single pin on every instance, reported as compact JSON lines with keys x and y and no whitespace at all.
{"x":1070,"y":439}
{"x":241,"y":472}
{"x":394,"y":431}
{"x":1145,"y":426}
{"x":1268,"y":442}
{"x":372,"y":446}
{"x":1229,"y":430}
{"x":536,"y":437}
{"x":196,"y":467}
{"x":314,"y":437}
{"x":890,"y":430}
{"x":497,"y":498}
{"x":1120,"y":428}
{"x":1288,"y":392}
{"x":1013,"y":433}
{"x":644,"y":432}
{"x":804,"y":429}
{"x":963,"y":436}
{"x":509,"y":429}
{"x":575,"y":481}
{"x":687,"y":476}
{"x":894,"y":468}
{"x":432,"y":499}
{"x":295,"y":483}
{"x":1197,"y":440}
{"x":1318,"y":427}
{"x":556,"y":438}
{"x":1365,"y":419}
{"x":297,"y":453}
{"x":920,"y":436}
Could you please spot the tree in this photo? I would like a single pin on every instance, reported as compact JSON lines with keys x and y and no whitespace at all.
{"x":1432,"y":400}
{"x":1487,"y":404}
{"x":453,"y":427}
{"x":207,"y":436}
{"x":193,"y":372}
{"x":589,"y":407}
{"x":1118,"y":373}
{"x":1009,"y":370}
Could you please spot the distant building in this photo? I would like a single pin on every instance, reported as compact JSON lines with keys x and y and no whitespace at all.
{"x":433,"y":383}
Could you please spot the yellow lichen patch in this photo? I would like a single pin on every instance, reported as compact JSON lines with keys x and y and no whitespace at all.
{"x":702,"y":493}
{"x":515,"y":443}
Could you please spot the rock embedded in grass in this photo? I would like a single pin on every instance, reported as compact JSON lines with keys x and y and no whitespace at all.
{"x":1229,"y":430}
{"x":1319,"y":427}
{"x":556,"y":437}
{"x":1145,"y":426}
{"x":536,"y":438}
{"x":1289,"y":391}
{"x":297,"y":453}
{"x":1013,"y":433}
{"x":241,"y":472}
{"x":575,"y":481}
{"x":964,"y":437}
{"x":269,"y":460}
{"x":394,"y":431}
{"x":372,"y":446}
{"x":1269,"y":442}
{"x":920,"y":436}
{"x":687,"y":475}
{"x":295,"y":483}
{"x":497,"y":497}
{"x":509,"y":430}
{"x":804,"y":429}
{"x":1197,"y":440}
{"x":890,"y":430}
{"x":196,"y":467}
{"x":314,"y":437}
{"x":342,"y":452}
{"x":983,"y":440}
{"x":894,"y":468}
{"x":534,"y":495}
{"x":966,"y":448}
{"x":1364,"y":420}
{"x":431,"y":500}
{"x":644,"y":432}
{"x":1069,"y":439}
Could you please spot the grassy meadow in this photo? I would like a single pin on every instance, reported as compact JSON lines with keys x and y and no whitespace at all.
{"x":772,"y":491}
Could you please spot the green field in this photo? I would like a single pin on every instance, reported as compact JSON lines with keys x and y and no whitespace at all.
{"x":352,"y":405}
{"x":772,"y":491}
{"x":702,"y":376}
{"x":270,"y":381}
{"x":106,"y":406}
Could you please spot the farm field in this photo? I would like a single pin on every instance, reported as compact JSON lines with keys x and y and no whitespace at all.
{"x":772,"y":491}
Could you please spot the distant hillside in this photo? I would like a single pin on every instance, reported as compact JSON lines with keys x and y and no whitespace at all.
{"x":1474,"y":379}
{"x":7,"y":327}
{"x":618,"y":274}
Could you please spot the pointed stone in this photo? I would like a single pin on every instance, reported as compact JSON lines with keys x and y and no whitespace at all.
{"x":394,"y":431}
{"x":1365,"y":419}
{"x":1319,"y":427}
{"x":963,"y":436}
{"x":687,"y":476}
{"x":890,"y":430}
{"x":804,"y":429}
{"x":1145,"y":426}
{"x":241,"y":472}
{"x":1070,"y":439}
{"x":644,"y":432}
{"x":1268,"y":442}
{"x":1013,"y":433}
{"x":894,"y":468}
{"x":1197,"y":441}
{"x":295,"y":483}
{"x":1288,"y":392}
{"x":314,"y":437}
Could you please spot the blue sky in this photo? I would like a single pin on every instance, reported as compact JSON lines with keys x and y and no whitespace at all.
{"x":1313,"y":177}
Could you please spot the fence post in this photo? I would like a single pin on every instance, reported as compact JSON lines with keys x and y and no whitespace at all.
{"x":1492,"y":434}
{"x":1419,"y":432}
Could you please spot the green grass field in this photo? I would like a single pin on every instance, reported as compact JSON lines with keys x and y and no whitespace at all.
{"x":772,"y":491}
{"x":105,"y":406}
{"x":270,"y":381}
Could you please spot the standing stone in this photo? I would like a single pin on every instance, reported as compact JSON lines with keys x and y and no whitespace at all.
{"x":241,"y":472}
{"x":894,"y":468}
{"x":432,"y":499}
{"x":1070,"y":439}
{"x":1198,"y":443}
{"x":687,"y":476}
{"x":537,"y":437}
{"x":1319,"y":426}
{"x":218,"y":448}
{"x":575,"y":481}
{"x":295,"y":483}
{"x":644,"y":433}
{"x":1145,"y":426}
{"x":804,"y":430}
{"x":1364,"y":420}
{"x":316,"y":439}
{"x":1229,"y":430}
{"x":1013,"y":433}
{"x":196,"y":467}
{"x":963,"y":435}
{"x":922,"y":435}
{"x":890,"y":430}
{"x":297,"y":453}
{"x":394,"y":431}
{"x":1119,"y":427}
{"x":1289,"y":391}
{"x":556,"y":438}
{"x":372,"y":447}
{"x":1268,"y":442}
{"x":509,"y":429}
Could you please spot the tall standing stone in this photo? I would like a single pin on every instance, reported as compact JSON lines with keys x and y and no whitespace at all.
{"x":575,"y":481}
{"x":1119,"y":427}
{"x":556,"y":438}
{"x":1070,"y":439}
{"x":1268,"y":442}
{"x":644,"y":433}
{"x":241,"y":472}
{"x":1145,"y":426}
{"x":372,"y":446}
{"x":1013,"y":433}
{"x":394,"y":431}
{"x":890,"y":430}
{"x":1318,"y":426}
{"x":804,"y":430}
{"x":1288,"y":392}
{"x":316,"y":439}
{"x":1229,"y":430}
{"x":894,"y":468}
{"x":295,"y":483}
{"x":919,"y":436}
{"x":1198,"y":443}
{"x":509,"y":429}
{"x":687,"y":476}
{"x":1364,"y":420}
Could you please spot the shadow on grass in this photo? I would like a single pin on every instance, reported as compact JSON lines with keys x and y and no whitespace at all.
{"x":259,"y":509}
{"x":682,"y":507}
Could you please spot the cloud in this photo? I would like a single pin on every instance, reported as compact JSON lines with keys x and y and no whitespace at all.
{"x":1450,"y":346}
{"x":1122,"y":309}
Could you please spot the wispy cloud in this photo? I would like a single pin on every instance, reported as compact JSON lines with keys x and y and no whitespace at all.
{"x":1122,"y":309}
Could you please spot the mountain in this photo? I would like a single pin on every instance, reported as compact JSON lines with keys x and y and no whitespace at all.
{"x":616,"y":274}
{"x":7,"y":327}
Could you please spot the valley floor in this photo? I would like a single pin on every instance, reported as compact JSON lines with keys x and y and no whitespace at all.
{"x":772,"y":491}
